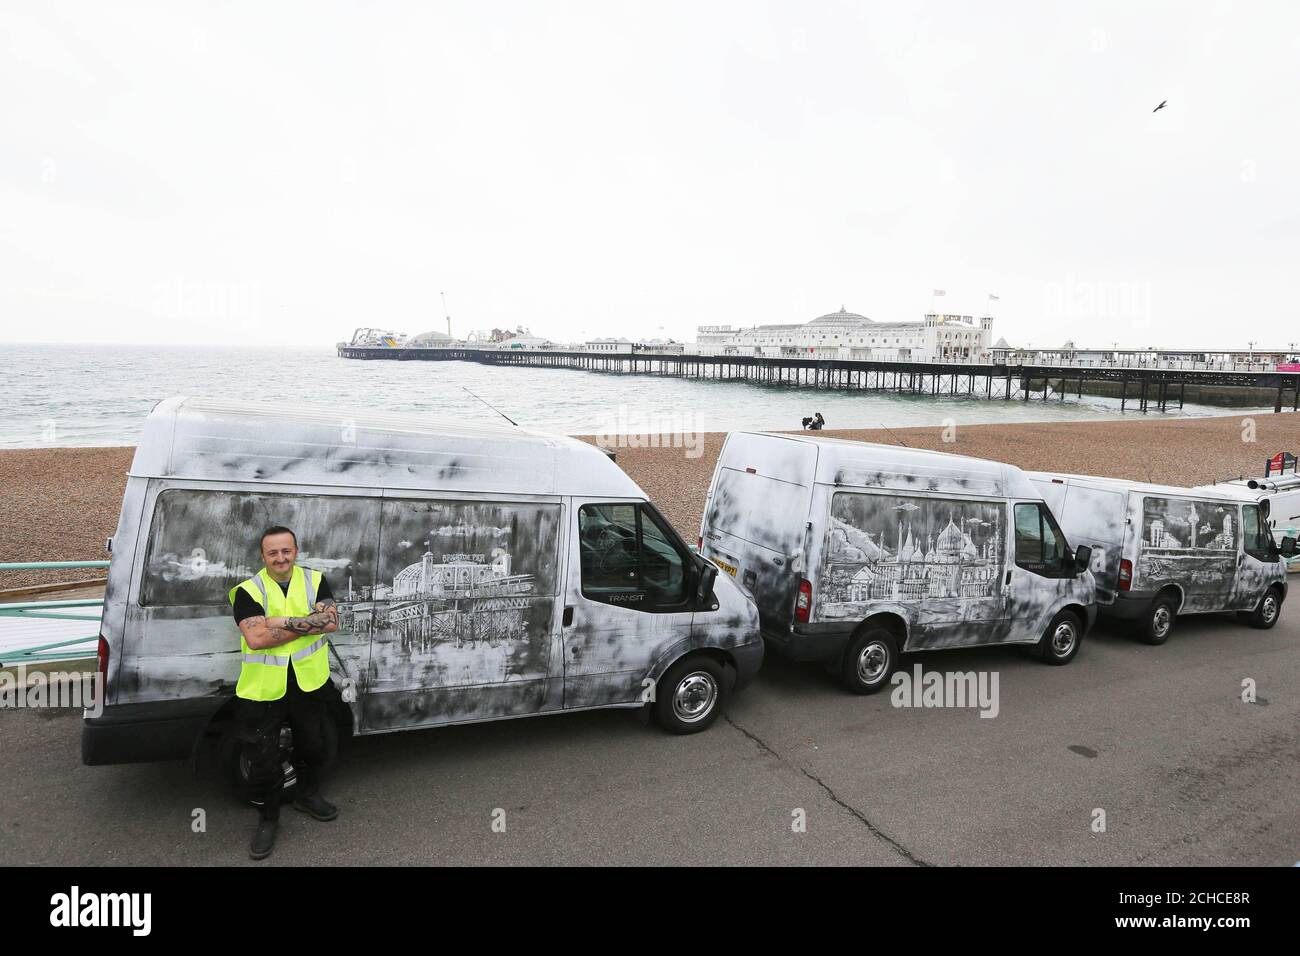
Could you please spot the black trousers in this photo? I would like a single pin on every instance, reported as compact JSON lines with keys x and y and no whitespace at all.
{"x":259,"y":732}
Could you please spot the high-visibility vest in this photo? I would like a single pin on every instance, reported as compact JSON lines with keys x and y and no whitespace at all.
{"x":264,"y":674}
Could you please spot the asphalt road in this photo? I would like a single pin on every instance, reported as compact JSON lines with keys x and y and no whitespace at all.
{"x":1158,"y":738}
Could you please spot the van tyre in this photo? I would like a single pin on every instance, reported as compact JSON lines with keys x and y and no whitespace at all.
{"x":869,"y":660}
{"x":1060,"y":642}
{"x":231,"y":758}
{"x":690,"y":695}
{"x":1269,"y":610}
{"x":1157,"y":624}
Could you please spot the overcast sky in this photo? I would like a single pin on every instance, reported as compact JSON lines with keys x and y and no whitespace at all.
{"x":277,"y":173}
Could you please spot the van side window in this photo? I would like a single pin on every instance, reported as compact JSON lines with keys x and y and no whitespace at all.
{"x":1040,"y":546}
{"x":202,"y":543}
{"x":628,"y":557}
{"x":1256,"y":539}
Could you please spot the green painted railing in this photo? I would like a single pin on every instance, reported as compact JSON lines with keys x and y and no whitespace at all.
{"x":45,"y":565}
{"x":51,"y":610}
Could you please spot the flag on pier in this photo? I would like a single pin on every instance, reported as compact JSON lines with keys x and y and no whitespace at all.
{"x":939,"y":292}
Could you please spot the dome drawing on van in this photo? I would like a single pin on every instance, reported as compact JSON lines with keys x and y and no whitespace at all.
{"x":941,"y":549}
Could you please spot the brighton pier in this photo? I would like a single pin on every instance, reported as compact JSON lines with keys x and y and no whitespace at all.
{"x":1146,"y":387}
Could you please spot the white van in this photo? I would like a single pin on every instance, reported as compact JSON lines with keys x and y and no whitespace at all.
{"x":481,"y":572}
{"x":1161,"y":550}
{"x":856,"y":552}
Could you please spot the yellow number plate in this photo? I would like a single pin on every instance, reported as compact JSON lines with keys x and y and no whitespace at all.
{"x":724,"y":565}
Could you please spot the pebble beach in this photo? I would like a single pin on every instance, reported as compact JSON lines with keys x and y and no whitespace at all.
{"x":60,"y":504}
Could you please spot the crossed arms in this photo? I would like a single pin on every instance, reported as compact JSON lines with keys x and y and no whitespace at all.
{"x":262,"y":632}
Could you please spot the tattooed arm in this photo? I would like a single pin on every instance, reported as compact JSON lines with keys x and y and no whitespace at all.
{"x":262,"y":632}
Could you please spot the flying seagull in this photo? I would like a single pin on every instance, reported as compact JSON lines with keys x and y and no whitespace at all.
{"x":1160,"y":107}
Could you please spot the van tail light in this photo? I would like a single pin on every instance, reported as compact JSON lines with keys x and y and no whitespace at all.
{"x":803,"y":603}
{"x":699,"y":543}
{"x":101,"y":662}
{"x":1125,"y":574}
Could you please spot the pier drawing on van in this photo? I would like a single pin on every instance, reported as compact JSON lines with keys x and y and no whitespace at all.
{"x":464,"y":595}
{"x":458,"y":599}
{"x":893,"y":548}
{"x":1194,"y":542}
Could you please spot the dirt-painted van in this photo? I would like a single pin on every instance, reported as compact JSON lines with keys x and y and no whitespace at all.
{"x":855,"y":552}
{"x":1161,"y":551}
{"x":480,"y":572}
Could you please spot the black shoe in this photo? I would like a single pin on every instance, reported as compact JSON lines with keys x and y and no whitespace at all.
{"x":263,"y":839}
{"x":317,"y":806}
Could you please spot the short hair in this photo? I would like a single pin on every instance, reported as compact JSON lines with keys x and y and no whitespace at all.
{"x":277,"y":529}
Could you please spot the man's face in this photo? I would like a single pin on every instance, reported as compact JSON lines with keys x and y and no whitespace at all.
{"x":279,"y":553}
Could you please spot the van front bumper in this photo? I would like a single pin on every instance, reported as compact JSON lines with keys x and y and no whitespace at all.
{"x":139,"y":733}
{"x":748,"y":659}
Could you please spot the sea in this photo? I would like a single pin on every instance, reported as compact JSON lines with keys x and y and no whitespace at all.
{"x":99,"y":395}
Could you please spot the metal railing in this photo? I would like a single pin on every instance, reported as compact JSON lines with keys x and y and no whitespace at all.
{"x":50,"y":610}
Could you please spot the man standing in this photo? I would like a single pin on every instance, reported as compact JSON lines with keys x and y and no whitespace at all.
{"x":283,"y":613}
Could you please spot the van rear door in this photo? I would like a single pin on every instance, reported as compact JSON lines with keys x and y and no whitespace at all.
{"x":1096,"y":517}
{"x":1100,"y":516}
{"x":756,"y":518}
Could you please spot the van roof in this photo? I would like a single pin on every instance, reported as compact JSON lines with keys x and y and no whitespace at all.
{"x":1264,"y":487}
{"x":214,"y":440}
{"x":841,"y":461}
{"x":1124,"y":484}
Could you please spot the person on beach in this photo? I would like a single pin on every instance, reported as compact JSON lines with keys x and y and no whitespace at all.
{"x":818,"y":422}
{"x":283,"y":613}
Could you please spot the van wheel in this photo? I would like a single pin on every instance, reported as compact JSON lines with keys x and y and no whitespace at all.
{"x":1269,"y":610}
{"x":869,"y":660}
{"x":690,"y":695}
{"x":1158,"y":623}
{"x":1060,"y":642}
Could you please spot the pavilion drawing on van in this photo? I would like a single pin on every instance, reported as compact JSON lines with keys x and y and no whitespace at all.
{"x":455,"y":598}
{"x":963,"y":560}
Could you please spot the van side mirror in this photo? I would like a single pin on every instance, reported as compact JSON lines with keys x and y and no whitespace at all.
{"x":704,"y":583}
{"x":1082,"y":558}
{"x":1288,"y":547}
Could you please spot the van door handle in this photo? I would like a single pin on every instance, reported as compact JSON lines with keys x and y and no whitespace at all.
{"x":567,"y":620}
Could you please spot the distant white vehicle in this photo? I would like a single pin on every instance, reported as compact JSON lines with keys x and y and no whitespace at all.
{"x":1278,"y":494}
{"x":855,"y":552}
{"x":1160,"y":550}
